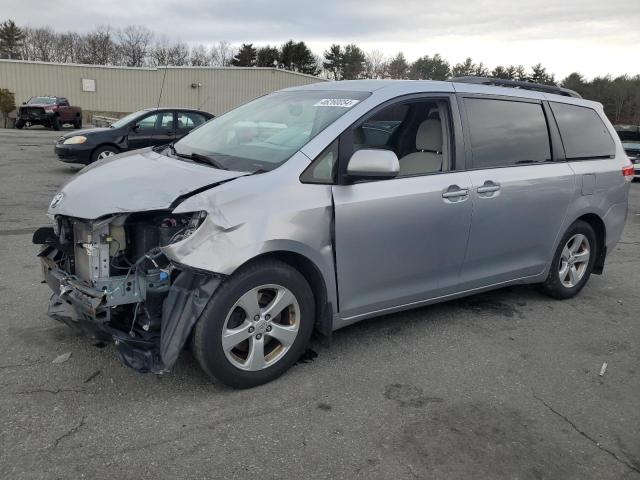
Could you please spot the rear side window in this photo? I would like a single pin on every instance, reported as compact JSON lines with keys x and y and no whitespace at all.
{"x":189,"y":120}
{"x":584,"y":134}
{"x":505,"y":133}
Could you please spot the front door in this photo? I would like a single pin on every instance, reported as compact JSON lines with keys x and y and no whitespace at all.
{"x":402,"y":241}
{"x":154,"y":129}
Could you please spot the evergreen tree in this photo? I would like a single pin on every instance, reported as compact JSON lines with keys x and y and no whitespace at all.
{"x":430,"y":68}
{"x":333,"y":61}
{"x":267,"y":57}
{"x":246,"y":56}
{"x":298,"y":58}
{"x":464,"y":69}
{"x":398,"y":67}
{"x":575,"y":81}
{"x":353,"y":60}
{"x":539,"y":75}
{"x":501,"y":72}
{"x":11,"y":39}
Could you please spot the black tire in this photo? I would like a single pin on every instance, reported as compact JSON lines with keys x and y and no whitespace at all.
{"x":19,"y":124}
{"x":55,"y":123}
{"x":553,"y":286}
{"x":206,"y":341}
{"x":102,"y":151}
{"x":77,"y":123}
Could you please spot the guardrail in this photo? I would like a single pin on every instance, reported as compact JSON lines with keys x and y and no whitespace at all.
{"x":102,"y":121}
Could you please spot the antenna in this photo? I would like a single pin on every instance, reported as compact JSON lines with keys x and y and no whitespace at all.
{"x":162,"y":86}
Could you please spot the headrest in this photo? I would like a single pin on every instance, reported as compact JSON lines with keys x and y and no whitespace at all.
{"x":429,"y":136}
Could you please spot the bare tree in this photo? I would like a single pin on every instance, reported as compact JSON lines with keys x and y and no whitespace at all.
{"x":39,"y":44}
{"x":375,"y":64}
{"x":179,"y":54}
{"x":199,"y":56}
{"x":166,"y":53}
{"x":67,"y":47}
{"x":222,"y":53}
{"x":133,"y":44}
{"x":98,"y":47}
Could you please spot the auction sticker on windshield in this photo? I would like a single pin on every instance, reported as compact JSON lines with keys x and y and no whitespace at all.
{"x":336,"y":102}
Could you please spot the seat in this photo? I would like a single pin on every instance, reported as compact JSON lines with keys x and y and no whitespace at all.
{"x":428,"y":158}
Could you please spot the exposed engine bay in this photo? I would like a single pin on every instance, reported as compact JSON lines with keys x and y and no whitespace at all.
{"x":111,"y":274}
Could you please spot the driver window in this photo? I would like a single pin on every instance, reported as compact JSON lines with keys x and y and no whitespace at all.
{"x":148,"y":122}
{"x":413,"y":130}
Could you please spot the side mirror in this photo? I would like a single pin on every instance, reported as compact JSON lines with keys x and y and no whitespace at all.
{"x":373,"y":164}
{"x":135,"y":127}
{"x":24,"y":103}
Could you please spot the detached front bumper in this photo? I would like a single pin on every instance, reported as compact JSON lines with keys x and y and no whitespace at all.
{"x":88,"y":310}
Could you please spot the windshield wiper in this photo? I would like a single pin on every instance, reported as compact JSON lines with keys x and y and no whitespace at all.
{"x":205,"y":159}
{"x":196,"y":157}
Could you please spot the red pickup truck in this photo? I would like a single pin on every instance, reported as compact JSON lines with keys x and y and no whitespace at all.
{"x":51,"y":112}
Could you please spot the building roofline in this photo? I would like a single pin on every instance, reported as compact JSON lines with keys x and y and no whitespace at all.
{"x":153,"y":69}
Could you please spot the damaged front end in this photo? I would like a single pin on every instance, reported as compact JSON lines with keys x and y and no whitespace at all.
{"x":111,"y":280}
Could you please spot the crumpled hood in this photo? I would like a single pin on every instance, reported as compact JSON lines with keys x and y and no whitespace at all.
{"x":140,"y":180}
{"x":38,"y":105}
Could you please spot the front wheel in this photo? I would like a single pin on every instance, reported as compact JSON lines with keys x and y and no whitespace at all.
{"x":256,"y":326}
{"x":572,"y":263}
{"x":101,"y":153}
{"x":19,"y":124}
{"x":55,"y":123}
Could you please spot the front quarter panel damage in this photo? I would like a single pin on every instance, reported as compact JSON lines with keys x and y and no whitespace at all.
{"x":259,"y":214}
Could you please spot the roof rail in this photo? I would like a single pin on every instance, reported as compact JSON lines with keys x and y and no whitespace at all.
{"x":517,"y":84}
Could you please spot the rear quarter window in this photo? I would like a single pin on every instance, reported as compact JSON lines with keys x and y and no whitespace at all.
{"x":584,"y":134}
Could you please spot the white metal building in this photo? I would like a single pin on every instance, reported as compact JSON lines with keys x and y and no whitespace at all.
{"x":118,"y":90}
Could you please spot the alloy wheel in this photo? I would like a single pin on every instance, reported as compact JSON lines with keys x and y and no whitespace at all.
{"x":261,"y":327}
{"x":574,"y":260}
{"x":106,"y":154}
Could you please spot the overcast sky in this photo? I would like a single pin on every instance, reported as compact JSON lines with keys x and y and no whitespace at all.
{"x":594,"y":37}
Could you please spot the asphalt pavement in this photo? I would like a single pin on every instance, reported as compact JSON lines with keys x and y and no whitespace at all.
{"x":500,"y":385}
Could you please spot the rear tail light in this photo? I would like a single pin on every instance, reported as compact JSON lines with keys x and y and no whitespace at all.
{"x":628,"y":172}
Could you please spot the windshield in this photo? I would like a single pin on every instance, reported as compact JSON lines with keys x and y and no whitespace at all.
{"x":42,"y":101}
{"x":125,"y":120}
{"x":265,"y":133}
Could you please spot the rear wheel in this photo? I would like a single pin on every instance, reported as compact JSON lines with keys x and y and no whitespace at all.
{"x":55,"y":123}
{"x":19,"y":124}
{"x":256,"y":325}
{"x":572,"y":263}
{"x":77,"y":123}
{"x":101,"y":153}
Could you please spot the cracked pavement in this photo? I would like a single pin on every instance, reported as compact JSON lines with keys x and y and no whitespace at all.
{"x":500,"y":385}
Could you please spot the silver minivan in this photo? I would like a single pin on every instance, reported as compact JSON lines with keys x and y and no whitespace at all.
{"x":319,"y":206}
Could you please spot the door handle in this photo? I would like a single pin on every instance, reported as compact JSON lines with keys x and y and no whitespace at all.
{"x":488,"y":189}
{"x":458,"y":192}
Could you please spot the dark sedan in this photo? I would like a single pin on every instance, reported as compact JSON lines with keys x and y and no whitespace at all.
{"x":146,"y":128}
